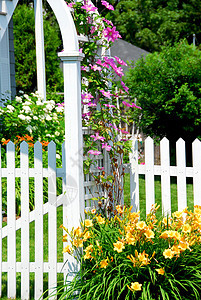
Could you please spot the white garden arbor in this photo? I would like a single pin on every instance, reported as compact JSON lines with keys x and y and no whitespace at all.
{"x":73,"y":189}
{"x":71,"y":58}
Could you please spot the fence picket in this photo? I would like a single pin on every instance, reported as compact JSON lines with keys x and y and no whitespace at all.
{"x":11,"y":221}
{"x":181,"y":174}
{"x":24,"y":164}
{"x":0,"y":227}
{"x":38,"y":165}
{"x":197,"y":171}
{"x":165,"y":176}
{"x":52,"y":217}
{"x":134,"y":176}
{"x":149,"y":173}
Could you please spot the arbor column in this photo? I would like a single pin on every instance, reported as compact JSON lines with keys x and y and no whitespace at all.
{"x":74,"y":181}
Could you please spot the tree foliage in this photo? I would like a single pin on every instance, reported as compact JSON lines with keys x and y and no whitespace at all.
{"x":25,"y":53}
{"x":167,"y":86}
{"x":151,"y":24}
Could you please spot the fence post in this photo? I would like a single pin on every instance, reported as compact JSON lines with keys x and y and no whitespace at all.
{"x":74,"y":180}
{"x":134,"y":176}
{"x":149,"y":174}
{"x":197,"y":171}
{"x":165,"y":176}
{"x":181,"y":174}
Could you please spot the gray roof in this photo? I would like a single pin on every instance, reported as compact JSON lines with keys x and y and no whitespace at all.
{"x":127,"y":51}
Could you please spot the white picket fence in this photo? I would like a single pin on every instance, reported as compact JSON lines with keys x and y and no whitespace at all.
{"x":11,"y":266}
{"x":180,"y":171}
{"x":38,"y":172}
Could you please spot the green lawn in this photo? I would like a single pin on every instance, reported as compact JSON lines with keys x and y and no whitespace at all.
{"x":142,"y":194}
{"x":59,"y":231}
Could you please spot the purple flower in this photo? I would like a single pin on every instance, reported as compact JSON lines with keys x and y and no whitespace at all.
{"x":111,"y":34}
{"x":134,"y":105}
{"x":96,"y":68}
{"x":71,"y":4}
{"x":97,"y":137}
{"x":109,"y":61}
{"x":107,"y":5}
{"x":106,"y":94}
{"x":118,"y":71}
{"x":106,"y":147}
{"x":124,"y":87}
{"x":60,"y":104}
{"x":108,"y":22}
{"x":120,"y":61}
{"x":86,"y":97}
{"x":124,"y":131}
{"x":94,"y":152}
{"x":90,"y":104}
{"x":101,"y":168}
{"x":109,"y":105}
{"x":89,"y":7}
{"x":126,"y":104}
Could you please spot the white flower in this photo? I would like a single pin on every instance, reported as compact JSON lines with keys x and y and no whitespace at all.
{"x":10,"y":108}
{"x":57,"y":133}
{"x":18,"y":99}
{"x":21,"y":92}
{"x":48,"y":135}
{"x":27,"y":103}
{"x":41,"y":117}
{"x":39,"y":102}
{"x":35,"y":117}
{"x":29,"y":128}
{"x":26,"y":96}
{"x":59,"y":108}
{"x":49,"y":106}
{"x":52,"y":102}
{"x":58,"y":156}
{"x":27,"y":118}
{"x":22,"y":117}
{"x":26,"y":109}
{"x":55,"y":116}
{"x":48,"y":118}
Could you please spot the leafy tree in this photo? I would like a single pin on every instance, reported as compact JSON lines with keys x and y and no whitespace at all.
{"x":151,"y":24}
{"x":167,"y":86}
{"x":25,"y":53}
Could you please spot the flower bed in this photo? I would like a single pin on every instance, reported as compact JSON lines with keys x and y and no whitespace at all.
{"x":127,"y":258}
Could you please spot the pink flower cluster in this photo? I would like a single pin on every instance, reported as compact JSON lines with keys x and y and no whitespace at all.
{"x":107,"y":5}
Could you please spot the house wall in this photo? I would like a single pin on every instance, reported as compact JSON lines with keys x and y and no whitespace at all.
{"x":12,"y":59}
{"x":7,"y":64}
